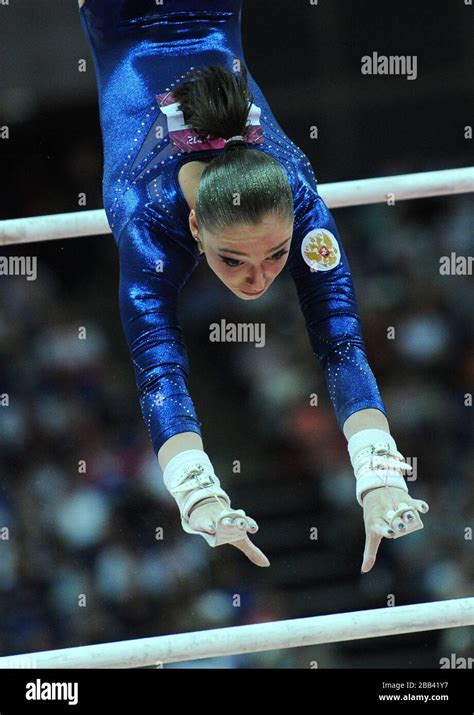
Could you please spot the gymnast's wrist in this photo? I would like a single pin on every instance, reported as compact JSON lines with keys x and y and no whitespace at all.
{"x":376,"y":462}
{"x":177,"y":444}
{"x":202,"y":502}
{"x":190,"y":478}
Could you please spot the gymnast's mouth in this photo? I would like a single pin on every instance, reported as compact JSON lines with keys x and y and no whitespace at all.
{"x":257,"y":293}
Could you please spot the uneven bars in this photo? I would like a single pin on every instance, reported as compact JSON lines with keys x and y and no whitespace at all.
{"x":253,"y":638}
{"x":335,"y":195}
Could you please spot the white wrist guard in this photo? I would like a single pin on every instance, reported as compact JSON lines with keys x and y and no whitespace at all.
{"x":189,"y":477}
{"x":376,"y":461}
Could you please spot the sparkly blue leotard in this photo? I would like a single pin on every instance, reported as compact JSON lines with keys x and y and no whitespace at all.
{"x":141,"y":50}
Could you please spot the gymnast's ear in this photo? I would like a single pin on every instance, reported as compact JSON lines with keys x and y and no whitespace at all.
{"x":193,"y":227}
{"x":193,"y":221}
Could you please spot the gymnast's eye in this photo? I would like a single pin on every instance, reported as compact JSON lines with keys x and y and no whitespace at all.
{"x":232,"y":262}
{"x":277,"y":256}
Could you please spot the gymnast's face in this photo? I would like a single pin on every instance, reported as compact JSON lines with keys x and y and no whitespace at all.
{"x":246,"y":257}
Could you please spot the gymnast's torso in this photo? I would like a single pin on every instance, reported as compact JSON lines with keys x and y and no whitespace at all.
{"x":142,"y":50}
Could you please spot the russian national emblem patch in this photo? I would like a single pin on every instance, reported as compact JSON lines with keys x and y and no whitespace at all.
{"x":320,"y":250}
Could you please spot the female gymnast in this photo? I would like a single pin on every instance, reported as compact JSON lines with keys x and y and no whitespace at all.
{"x":195,"y":164}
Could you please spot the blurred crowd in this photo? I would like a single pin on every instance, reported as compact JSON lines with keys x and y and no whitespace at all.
{"x":91,"y":547}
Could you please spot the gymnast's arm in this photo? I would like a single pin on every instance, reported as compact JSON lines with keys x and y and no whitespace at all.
{"x":329,"y":307}
{"x":153,"y":269}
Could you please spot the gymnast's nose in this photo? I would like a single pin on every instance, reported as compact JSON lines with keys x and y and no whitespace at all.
{"x":255,"y":280}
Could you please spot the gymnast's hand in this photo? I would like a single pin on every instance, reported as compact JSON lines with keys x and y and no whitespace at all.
{"x":389,"y":512}
{"x":205,"y":507}
{"x":205,"y":517}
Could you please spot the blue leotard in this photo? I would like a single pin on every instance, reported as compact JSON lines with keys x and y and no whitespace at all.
{"x":141,"y":50}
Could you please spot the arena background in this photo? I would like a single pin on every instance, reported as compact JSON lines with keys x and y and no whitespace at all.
{"x":67,"y":534}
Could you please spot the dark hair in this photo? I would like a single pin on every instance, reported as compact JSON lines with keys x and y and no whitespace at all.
{"x":216,"y":103}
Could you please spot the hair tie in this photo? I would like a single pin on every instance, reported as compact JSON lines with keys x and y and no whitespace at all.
{"x":235,"y":141}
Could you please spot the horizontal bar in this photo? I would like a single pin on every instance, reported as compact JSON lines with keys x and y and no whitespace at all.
{"x":404,"y":186}
{"x":256,"y":637}
{"x":335,"y":195}
{"x":50,"y":228}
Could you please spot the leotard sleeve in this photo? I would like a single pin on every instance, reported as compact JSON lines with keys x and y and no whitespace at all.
{"x":322,"y":276}
{"x":153,"y":269}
